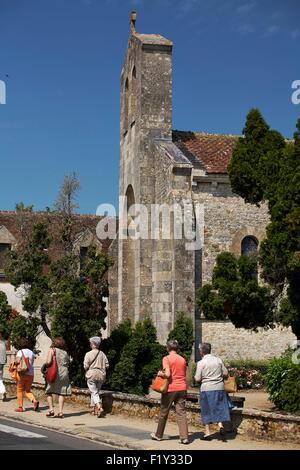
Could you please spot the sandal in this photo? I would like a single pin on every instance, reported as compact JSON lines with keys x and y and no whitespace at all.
{"x":50,"y":413}
{"x":19,"y":409}
{"x":154,"y":437}
{"x":59,"y":415}
{"x":184,"y":441}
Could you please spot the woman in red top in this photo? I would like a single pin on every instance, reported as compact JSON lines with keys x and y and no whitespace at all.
{"x":174,"y":368}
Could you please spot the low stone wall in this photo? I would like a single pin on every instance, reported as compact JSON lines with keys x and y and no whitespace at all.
{"x":252,"y":423}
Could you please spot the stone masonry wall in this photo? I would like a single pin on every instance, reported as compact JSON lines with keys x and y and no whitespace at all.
{"x":228,"y":219}
{"x":232,"y":343}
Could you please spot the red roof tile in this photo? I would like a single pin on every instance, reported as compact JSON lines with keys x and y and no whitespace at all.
{"x":210,"y":152}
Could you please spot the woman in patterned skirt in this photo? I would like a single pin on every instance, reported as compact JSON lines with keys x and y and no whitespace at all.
{"x":61,"y":386}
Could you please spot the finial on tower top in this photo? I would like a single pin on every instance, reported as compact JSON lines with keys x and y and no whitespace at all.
{"x":132,"y":21}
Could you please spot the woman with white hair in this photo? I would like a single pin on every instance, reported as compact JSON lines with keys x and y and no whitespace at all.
{"x":214,"y":402}
{"x":95,"y":364}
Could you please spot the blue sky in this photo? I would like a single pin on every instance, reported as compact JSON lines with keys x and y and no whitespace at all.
{"x":61,"y":62}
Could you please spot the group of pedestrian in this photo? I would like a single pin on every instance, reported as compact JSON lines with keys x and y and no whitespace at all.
{"x":95,"y":365}
{"x":214,"y":402}
{"x":210,"y":373}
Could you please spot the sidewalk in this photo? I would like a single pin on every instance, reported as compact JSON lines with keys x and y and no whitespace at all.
{"x":124,"y":432}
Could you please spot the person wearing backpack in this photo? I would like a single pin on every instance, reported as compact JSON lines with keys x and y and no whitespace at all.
{"x":24,"y":376}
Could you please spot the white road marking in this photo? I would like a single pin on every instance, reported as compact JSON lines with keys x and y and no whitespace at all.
{"x":19,"y":432}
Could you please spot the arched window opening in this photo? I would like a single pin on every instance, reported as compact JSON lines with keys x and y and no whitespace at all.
{"x":133,"y":97}
{"x":126,"y":104}
{"x":130,"y":200}
{"x":129,"y":263}
{"x":249,"y":246}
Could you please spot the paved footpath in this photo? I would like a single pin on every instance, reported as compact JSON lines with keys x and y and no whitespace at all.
{"x":129,"y":433}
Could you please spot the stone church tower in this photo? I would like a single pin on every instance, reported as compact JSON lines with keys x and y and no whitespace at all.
{"x":144,"y":283}
{"x":155,"y":275}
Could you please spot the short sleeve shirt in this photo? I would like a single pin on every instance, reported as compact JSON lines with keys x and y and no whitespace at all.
{"x":177,"y":365}
{"x":27,"y":353}
{"x":209,"y":372}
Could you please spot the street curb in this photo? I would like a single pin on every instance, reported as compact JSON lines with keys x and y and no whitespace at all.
{"x":76,"y":432}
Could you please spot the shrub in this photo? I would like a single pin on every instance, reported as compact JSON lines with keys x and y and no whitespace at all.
{"x":140,"y":360}
{"x":283,"y":383}
{"x":250,"y":374}
{"x":113,"y":347}
{"x":183,"y":332}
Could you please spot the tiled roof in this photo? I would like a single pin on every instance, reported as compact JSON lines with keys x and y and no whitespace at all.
{"x":210,"y":152}
{"x":11,"y":221}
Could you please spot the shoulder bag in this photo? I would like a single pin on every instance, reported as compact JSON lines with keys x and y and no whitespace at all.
{"x":23,"y":365}
{"x":230,"y":385}
{"x":51,"y":371}
{"x":160,"y":384}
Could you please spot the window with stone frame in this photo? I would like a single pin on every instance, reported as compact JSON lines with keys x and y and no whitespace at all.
{"x":4,"y":249}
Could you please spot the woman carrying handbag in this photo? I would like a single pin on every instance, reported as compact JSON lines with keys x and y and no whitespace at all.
{"x":61,"y":385}
{"x":214,"y":403}
{"x":24,"y":375}
{"x":174,"y":369}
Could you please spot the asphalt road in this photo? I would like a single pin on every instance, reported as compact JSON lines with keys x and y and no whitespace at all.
{"x":18,"y":436}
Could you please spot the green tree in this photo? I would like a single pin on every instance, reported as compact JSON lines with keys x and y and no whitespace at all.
{"x":77,"y":309}
{"x":5,"y":316}
{"x":20,"y":207}
{"x":27,"y":268}
{"x":264,"y":167}
{"x":62,"y":296}
{"x":183,"y":332}
{"x":140,"y":360}
{"x":24,"y":327}
{"x":235,"y":294}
